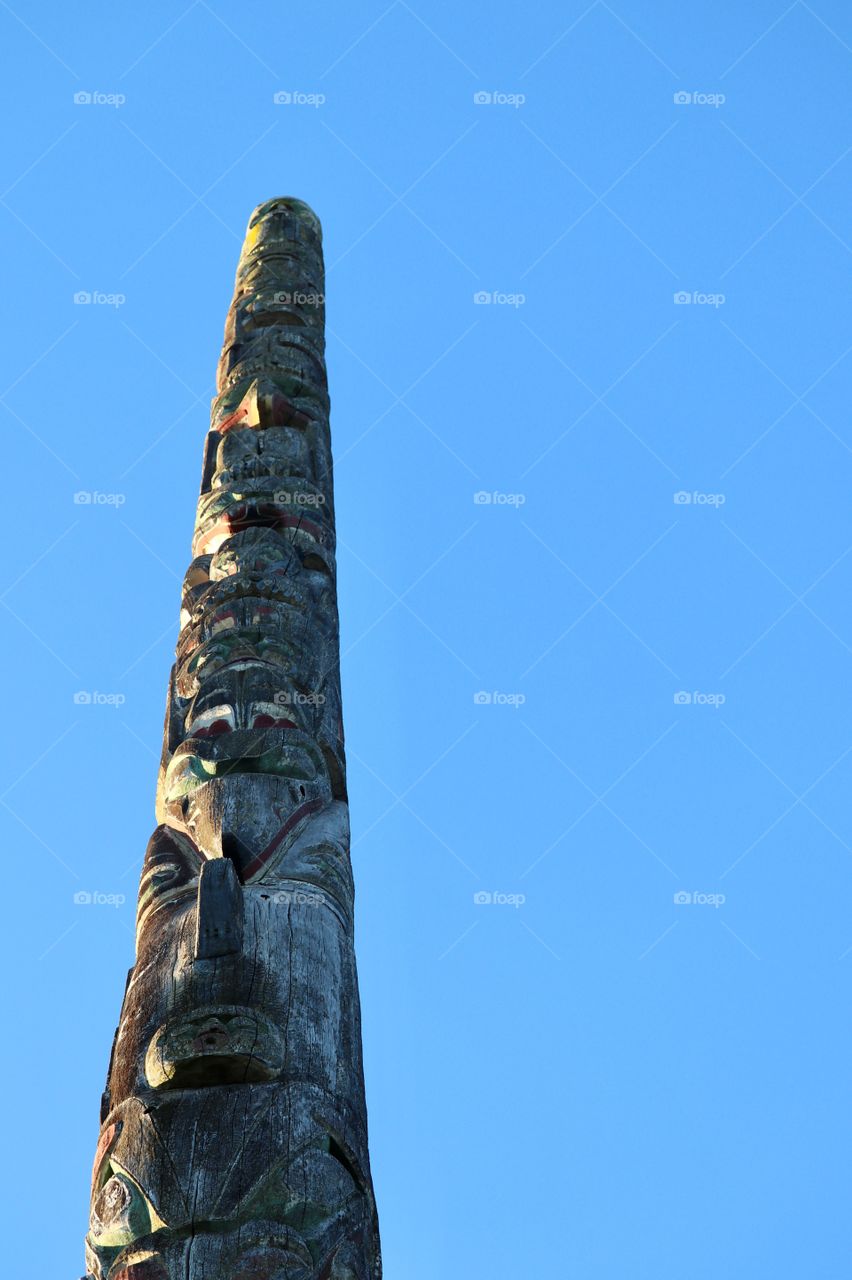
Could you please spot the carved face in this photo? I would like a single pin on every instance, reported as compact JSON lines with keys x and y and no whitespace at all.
{"x":289,"y":295}
{"x":259,"y":581}
{"x":261,"y":552}
{"x":248,"y":765}
{"x":220,"y":992}
{"x":294,"y":352}
{"x":263,"y":591}
{"x":254,"y":735}
{"x":289,"y":504}
{"x":264,"y":401}
{"x":277,"y":451}
{"x":291,"y":1203}
{"x":232,"y":983}
{"x":240,"y":698}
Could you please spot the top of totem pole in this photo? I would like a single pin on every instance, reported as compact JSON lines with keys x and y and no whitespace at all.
{"x":274,"y":333}
{"x":270,"y":218}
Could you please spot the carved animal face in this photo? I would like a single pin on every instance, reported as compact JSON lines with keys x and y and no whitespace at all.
{"x":287,"y":504}
{"x":242,"y":697}
{"x":247,"y":774}
{"x":248,"y":455}
{"x":231,"y":978}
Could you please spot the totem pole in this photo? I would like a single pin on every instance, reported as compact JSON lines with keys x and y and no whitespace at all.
{"x":233,"y":1142}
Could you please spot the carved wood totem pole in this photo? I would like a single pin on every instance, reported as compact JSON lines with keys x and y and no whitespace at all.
{"x":233,"y":1143}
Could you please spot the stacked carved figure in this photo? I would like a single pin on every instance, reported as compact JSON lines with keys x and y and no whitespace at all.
{"x":233,"y":1143}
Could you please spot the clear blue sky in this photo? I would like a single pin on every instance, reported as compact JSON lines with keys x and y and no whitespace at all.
{"x":598,"y":1081}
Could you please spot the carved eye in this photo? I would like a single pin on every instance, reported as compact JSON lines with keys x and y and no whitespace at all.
{"x":210,"y":730}
{"x":272,"y":715}
{"x":119,"y":1215}
{"x":170,"y":873}
{"x":211,"y":722}
{"x":272,"y":722}
{"x":166,"y":874}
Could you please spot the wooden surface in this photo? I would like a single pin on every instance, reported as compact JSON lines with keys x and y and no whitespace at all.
{"x":233,"y":1143}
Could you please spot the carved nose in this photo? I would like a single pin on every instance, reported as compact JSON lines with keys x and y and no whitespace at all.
{"x":219,"y":917}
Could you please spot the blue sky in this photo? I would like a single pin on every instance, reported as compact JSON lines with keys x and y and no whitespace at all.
{"x":631,"y":1061}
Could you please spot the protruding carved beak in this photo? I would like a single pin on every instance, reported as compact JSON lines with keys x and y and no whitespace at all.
{"x":219,"y":924}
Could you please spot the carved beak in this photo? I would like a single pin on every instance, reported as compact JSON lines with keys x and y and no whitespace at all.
{"x":219,"y":923}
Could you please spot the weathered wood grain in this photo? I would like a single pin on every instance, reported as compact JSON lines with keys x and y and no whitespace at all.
{"x":234,"y":1140}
